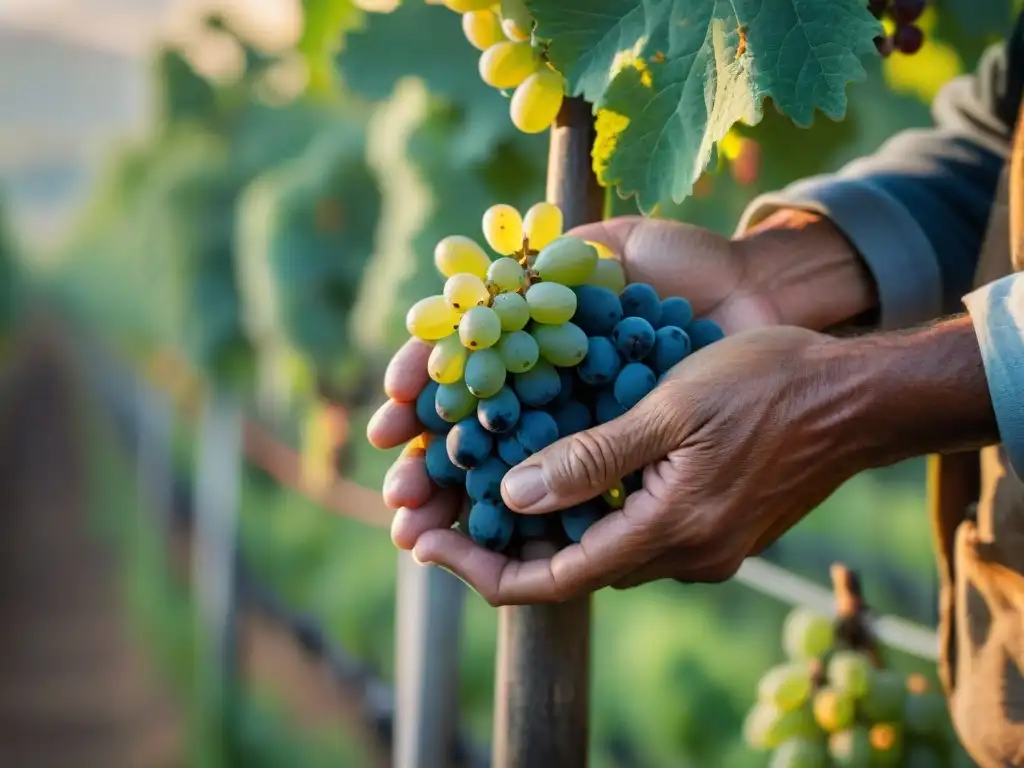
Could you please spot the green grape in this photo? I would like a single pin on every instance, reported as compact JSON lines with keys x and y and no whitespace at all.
{"x":884,"y":699}
{"x":512,"y":310}
{"x":485,"y":373}
{"x":464,"y":6}
{"x":454,"y":402}
{"x":542,"y":224}
{"x":506,"y":275}
{"x":925,"y":715}
{"x":503,"y":229}
{"x":519,"y":351}
{"x":507,"y":64}
{"x":513,"y":31}
{"x":567,"y":260}
{"x":480,"y":328}
{"x":788,"y":686}
{"x":807,"y":634}
{"x":615,"y":497}
{"x":850,"y":748}
{"x":465,"y":291}
{"x":758,"y":723}
{"x":886,"y":745}
{"x":850,"y":671}
{"x":457,"y":254}
{"x":795,"y":724}
{"x":551,"y":303}
{"x":563,"y":345}
{"x":608,"y":273}
{"x":537,"y":101}
{"x":799,"y":753}
{"x":833,"y":709}
{"x":482,"y":28}
{"x":431,"y":319}
{"x":517,"y":12}
{"x":447,"y":360}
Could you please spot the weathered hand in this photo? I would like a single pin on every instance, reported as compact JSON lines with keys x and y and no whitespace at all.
{"x":679,"y":260}
{"x":736,"y":445}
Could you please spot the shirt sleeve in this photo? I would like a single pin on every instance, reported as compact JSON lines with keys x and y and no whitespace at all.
{"x":997,"y":311}
{"x":917,"y":209}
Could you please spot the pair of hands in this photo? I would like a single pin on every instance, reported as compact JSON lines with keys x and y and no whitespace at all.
{"x":736,"y":444}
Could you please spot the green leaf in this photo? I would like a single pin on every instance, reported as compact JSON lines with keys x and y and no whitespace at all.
{"x":681,"y":72}
{"x":324,"y":23}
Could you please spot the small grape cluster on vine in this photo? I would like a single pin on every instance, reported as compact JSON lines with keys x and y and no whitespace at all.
{"x":907,"y":37}
{"x":512,"y":59}
{"x":543,"y":342}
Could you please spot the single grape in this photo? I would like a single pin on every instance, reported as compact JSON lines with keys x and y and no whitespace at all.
{"x":506,"y":274}
{"x":454,"y":402}
{"x":794,"y":724}
{"x":482,"y":28}
{"x":566,"y":385}
{"x":601,"y":364}
{"x":513,"y":31}
{"x":542,"y":224}
{"x":519,"y":351}
{"x":572,"y":417}
{"x":885,"y":45}
{"x":480,"y":328}
{"x":634,"y":382}
{"x":703,"y":332}
{"x":850,"y":748}
{"x":850,"y":671}
{"x":671,"y":345}
{"x":886,"y":745}
{"x":906,"y":11}
{"x":500,"y":412}
{"x":469,"y":444}
{"x":757,"y":724}
{"x":510,"y":451}
{"x":597,"y":309}
{"x":807,"y":634}
{"x":517,"y":11}
{"x":503,"y":228}
{"x":485,"y":373}
{"x":447,"y":360}
{"x":536,"y":431}
{"x":551,"y":303}
{"x":440,"y":468}
{"x":799,"y":753}
{"x":606,"y":407}
{"x":465,"y":291}
{"x":609,"y":274}
{"x":884,"y":698}
{"x":833,"y":709}
{"x":512,"y":310}
{"x":533,"y":526}
{"x":427,"y":413}
{"x":537,"y":101}
{"x":483,"y":482}
{"x":506,"y":65}
{"x":564,"y":345}
{"x":925,"y":715}
{"x":464,"y":6}
{"x":576,"y":520}
{"x":787,"y":686}
{"x":491,"y":525}
{"x":675,"y":311}
{"x":641,"y":300}
{"x":908,"y":39}
{"x":538,"y":386}
{"x":633,"y":337}
{"x":457,"y":254}
{"x":615,"y":496}
{"x":566,"y":260}
{"x":431,"y":318}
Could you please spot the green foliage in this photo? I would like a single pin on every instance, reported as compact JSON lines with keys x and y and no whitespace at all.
{"x":680,"y":74}
{"x":324,"y":23}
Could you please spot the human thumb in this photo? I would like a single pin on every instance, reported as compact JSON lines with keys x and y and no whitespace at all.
{"x":584,"y":465}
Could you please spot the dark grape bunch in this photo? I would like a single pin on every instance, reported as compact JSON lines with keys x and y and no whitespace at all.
{"x":830,"y":706}
{"x":545,"y":341}
{"x":907,"y":37}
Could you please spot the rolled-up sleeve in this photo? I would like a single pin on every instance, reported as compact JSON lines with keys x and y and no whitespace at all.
{"x":916,"y":210}
{"x":997,"y":311}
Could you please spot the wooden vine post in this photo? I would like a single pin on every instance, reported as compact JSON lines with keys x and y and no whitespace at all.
{"x":542,"y":691}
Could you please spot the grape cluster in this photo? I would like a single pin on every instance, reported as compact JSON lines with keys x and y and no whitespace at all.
{"x":830,"y":706}
{"x":511,"y":58}
{"x":907,"y":37}
{"x":543,"y":342}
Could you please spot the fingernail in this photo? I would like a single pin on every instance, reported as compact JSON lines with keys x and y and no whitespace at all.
{"x":524,"y":486}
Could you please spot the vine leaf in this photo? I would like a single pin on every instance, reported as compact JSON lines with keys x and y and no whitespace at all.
{"x":677,"y":74}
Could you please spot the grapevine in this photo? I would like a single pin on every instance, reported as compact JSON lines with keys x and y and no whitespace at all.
{"x":542,"y":342}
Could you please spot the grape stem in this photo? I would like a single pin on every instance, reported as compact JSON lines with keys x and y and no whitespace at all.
{"x":851,"y":625}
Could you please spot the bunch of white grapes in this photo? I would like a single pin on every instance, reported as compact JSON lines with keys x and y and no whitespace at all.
{"x":511,"y":59}
{"x":539,"y":343}
{"x":829,"y":706}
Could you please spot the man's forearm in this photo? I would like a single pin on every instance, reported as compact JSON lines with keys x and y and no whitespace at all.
{"x":915,"y":392}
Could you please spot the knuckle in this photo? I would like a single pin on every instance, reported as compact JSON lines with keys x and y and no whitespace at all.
{"x":592,"y":457}
{"x":723,"y":571}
